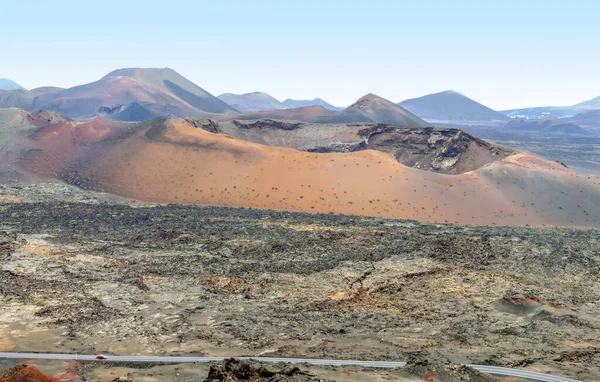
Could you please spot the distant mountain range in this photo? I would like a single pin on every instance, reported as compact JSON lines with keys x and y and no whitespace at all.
{"x":254,"y":101}
{"x":135,"y":94}
{"x":369,"y":108}
{"x":541,"y":112}
{"x":293,"y":103}
{"x":6,"y":84}
{"x":450,"y":106}
{"x":304,"y":114}
{"x":259,"y":101}
{"x":554,"y":111}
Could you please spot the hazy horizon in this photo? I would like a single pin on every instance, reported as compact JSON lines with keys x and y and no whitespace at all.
{"x":498,"y":54}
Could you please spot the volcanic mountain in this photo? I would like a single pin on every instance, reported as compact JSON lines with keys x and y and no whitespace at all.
{"x":442,"y":150}
{"x":251,"y":101}
{"x":16,"y":125}
{"x":44,"y":90}
{"x":592,"y":104}
{"x":369,"y":108}
{"x":292,"y":103}
{"x":372,"y":108}
{"x":6,"y":84}
{"x":163,"y":91}
{"x":450,"y":106}
{"x":184,"y":161}
{"x":21,"y":98}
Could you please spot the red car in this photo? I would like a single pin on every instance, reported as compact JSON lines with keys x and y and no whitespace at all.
{"x":100,"y":356}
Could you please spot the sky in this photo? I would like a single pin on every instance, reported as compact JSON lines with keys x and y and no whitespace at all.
{"x":504,"y":54}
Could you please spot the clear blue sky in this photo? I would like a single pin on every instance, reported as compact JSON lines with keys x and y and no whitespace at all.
{"x":505,"y":54}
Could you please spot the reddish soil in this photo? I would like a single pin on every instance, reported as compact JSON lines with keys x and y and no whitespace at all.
{"x":26,"y":373}
{"x":170,"y":161}
{"x":46,"y":118}
{"x":79,"y":134}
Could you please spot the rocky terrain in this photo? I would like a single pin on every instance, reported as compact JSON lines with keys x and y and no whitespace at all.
{"x":97,"y":276}
{"x":235,"y":370}
{"x":442,"y":150}
{"x":446,"y":151}
{"x":369,"y":169}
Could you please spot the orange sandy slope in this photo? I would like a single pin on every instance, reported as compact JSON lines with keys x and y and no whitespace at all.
{"x":172,"y":162}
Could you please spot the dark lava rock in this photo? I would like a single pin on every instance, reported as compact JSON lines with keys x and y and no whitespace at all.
{"x":437,"y":371}
{"x":268,"y":124}
{"x":206,"y":124}
{"x":235,"y":370}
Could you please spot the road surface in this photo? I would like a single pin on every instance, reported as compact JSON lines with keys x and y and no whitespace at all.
{"x":500,"y":371}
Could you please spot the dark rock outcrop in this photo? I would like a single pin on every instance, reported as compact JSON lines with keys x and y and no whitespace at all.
{"x":204,"y":124}
{"x":233,"y":370}
{"x":437,"y":371}
{"x":268,"y":124}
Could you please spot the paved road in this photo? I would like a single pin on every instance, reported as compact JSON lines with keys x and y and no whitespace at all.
{"x":500,"y":371}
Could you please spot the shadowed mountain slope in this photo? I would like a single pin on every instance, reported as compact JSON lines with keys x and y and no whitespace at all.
{"x":165,"y":92}
{"x":293,"y":103}
{"x":591,"y":104}
{"x":451,"y":106}
{"x":6,"y":84}
{"x":251,"y":101}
